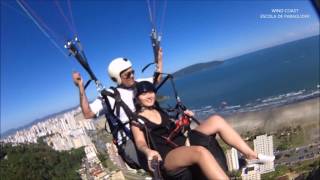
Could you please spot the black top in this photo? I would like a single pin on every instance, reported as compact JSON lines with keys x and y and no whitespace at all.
{"x":158,"y":133}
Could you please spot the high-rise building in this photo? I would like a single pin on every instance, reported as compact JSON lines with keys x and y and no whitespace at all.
{"x":251,"y":173}
{"x":264,"y":144}
{"x":232,"y":159}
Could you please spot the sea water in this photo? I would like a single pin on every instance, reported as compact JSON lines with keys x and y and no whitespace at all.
{"x":272,"y":76}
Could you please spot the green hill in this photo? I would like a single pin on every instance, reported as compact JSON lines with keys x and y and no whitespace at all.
{"x":196,"y":67}
{"x":39,"y":161}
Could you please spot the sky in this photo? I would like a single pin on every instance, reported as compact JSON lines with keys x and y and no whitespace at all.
{"x":36,"y":70}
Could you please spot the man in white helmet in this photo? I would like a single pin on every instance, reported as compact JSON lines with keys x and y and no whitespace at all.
{"x":121,"y":72}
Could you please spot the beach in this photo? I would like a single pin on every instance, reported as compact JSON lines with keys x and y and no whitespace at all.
{"x":305,"y":113}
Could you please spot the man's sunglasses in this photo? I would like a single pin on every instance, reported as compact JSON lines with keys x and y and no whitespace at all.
{"x":128,"y":74}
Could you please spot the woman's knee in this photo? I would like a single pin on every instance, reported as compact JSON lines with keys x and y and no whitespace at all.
{"x":211,"y":125}
{"x":192,"y":155}
{"x":216,"y":119}
{"x":201,"y":153}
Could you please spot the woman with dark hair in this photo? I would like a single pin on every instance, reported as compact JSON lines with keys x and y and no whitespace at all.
{"x":173,"y":152}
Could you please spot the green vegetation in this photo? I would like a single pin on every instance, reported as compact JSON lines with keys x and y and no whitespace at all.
{"x":223,"y":145}
{"x":279,"y":171}
{"x":283,"y":139}
{"x":307,"y":166}
{"x":39,"y":161}
{"x":135,"y":176}
{"x":235,"y":174}
{"x":304,"y":167}
{"x":289,"y":138}
{"x":106,"y":162}
{"x":251,"y":135}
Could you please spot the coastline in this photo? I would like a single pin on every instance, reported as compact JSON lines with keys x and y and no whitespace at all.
{"x":304,"y":113}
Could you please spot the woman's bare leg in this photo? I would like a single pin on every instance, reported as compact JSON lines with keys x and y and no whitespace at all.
{"x":216,"y":124}
{"x":185,"y":156}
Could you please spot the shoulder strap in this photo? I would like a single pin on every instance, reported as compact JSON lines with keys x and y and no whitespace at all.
{"x":119,"y":103}
{"x":105,"y":95}
{"x":143,"y":125}
{"x":118,"y":100}
{"x":141,"y":120}
{"x":114,"y":122}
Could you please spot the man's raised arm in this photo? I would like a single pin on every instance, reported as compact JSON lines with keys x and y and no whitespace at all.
{"x":84,"y":103}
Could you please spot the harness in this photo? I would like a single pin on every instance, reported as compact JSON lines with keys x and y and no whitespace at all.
{"x":113,"y":114}
{"x":181,"y":125}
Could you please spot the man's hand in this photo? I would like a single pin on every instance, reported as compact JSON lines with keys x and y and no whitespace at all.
{"x":77,"y":79}
{"x":189,"y":113}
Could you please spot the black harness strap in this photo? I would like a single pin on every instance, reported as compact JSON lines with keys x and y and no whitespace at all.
{"x":119,"y":103}
{"x":115,"y":119}
{"x":148,"y":133}
{"x":142,"y":126}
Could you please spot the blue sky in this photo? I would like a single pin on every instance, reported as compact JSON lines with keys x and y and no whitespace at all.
{"x":36,"y":76}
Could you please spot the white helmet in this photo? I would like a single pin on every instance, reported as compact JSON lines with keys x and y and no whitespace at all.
{"x":117,"y":66}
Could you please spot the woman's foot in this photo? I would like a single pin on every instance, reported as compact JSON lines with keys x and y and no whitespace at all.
{"x":262,"y":159}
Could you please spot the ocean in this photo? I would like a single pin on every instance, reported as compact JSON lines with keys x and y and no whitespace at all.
{"x":270,"y":77}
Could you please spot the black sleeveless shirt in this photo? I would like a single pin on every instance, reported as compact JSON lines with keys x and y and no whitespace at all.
{"x":158,"y":131}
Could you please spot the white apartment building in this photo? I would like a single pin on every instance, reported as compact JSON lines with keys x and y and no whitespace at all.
{"x":251,"y":173}
{"x":264,"y":144}
{"x":91,"y":152}
{"x":232,"y":159}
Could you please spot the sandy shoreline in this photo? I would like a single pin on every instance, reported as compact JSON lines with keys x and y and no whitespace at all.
{"x":305,"y":113}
